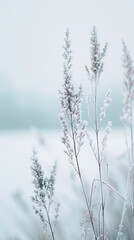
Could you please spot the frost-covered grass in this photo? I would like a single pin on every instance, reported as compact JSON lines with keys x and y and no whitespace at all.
{"x":16,"y":176}
{"x":95,"y":187}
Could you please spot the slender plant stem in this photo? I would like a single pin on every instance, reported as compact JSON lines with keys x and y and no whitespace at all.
{"x":99,"y":164}
{"x":50,"y":225}
{"x":123,"y":212}
{"x":127,"y":145}
{"x":81,"y":180}
{"x":132,"y":152}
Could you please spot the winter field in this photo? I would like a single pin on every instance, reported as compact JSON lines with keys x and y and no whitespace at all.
{"x":17,"y":220}
{"x":66,"y":120}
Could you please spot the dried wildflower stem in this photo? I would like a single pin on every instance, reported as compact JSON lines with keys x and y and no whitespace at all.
{"x":81,"y":181}
{"x":50,"y":225}
{"x":125,"y":199}
{"x":107,"y":185}
{"x":71,"y":119}
{"x":99,"y":164}
{"x":128,"y":91}
{"x":127,"y":145}
{"x":131,"y":129}
{"x":113,"y":190}
{"x":94,"y":76}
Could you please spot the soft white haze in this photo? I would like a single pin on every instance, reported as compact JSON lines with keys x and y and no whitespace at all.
{"x":32,"y":33}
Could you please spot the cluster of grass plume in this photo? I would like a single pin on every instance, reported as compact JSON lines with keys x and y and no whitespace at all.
{"x":76,"y":132}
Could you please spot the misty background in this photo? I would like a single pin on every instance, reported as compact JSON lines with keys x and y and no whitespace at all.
{"x":31,"y":73}
{"x":31,"y":62}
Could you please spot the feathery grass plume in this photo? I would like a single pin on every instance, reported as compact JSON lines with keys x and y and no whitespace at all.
{"x":71,"y":108}
{"x":44,"y":196}
{"x":70,"y":118}
{"x":128,"y":120}
{"x":128,"y":93}
{"x":128,"y":86}
{"x":98,"y":145}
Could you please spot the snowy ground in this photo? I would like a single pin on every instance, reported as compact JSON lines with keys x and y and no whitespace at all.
{"x":15,"y":180}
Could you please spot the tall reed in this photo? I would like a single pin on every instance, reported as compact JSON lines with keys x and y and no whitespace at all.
{"x":98,"y":146}
{"x":74,"y":129}
{"x":72,"y":125}
{"x":128,"y":122}
{"x":74,"y":133}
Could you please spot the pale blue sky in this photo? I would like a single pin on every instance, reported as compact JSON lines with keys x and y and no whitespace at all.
{"x":32,"y":32}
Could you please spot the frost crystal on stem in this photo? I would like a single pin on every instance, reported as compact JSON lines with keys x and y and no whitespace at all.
{"x":104,"y":140}
{"x":105,"y":105}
